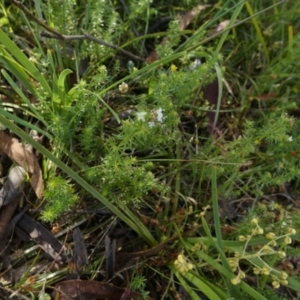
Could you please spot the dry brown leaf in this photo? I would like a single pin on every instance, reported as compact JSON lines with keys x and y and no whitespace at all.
{"x":221,"y":26}
{"x":184,"y":21}
{"x":123,"y":258}
{"x":189,"y":17}
{"x":18,"y":153}
{"x":264,"y":97}
{"x":88,"y":289}
{"x":228,"y":86}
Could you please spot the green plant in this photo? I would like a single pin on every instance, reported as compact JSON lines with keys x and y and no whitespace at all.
{"x":261,"y":265}
{"x":60,"y":196}
{"x":158,"y":165}
{"x":138,"y":284}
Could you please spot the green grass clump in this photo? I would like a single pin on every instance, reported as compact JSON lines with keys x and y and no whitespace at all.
{"x":134,"y":131}
{"x":60,"y":196}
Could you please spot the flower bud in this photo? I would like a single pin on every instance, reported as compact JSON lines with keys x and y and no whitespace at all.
{"x":281,"y":254}
{"x":284,"y":275}
{"x":270,"y":235}
{"x":291,"y":231}
{"x":256,"y":271}
{"x":235,"y":280}
{"x":260,"y":230}
{"x":242,"y":238}
{"x":265,"y":270}
{"x":254,"y":221}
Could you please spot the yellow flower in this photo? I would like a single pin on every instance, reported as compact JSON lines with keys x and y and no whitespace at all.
{"x":281,"y":254}
{"x":182,"y":265}
{"x":256,"y":271}
{"x":173,"y":68}
{"x":287,"y":240}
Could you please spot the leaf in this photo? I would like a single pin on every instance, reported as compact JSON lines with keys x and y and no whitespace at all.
{"x":24,"y":61}
{"x":59,"y":89}
{"x":123,"y":212}
{"x":45,"y":239}
{"x":224,"y":271}
{"x":23,"y":97}
{"x":17,"y":152}
{"x":13,"y":185}
{"x":220,"y":93}
{"x":221,"y":26}
{"x":110,"y":255}
{"x":24,"y":123}
{"x":211,"y":94}
{"x":10,"y":195}
{"x":88,"y":289}
{"x":80,"y":251}
{"x":264,"y":97}
{"x":184,"y":21}
{"x":123,"y":258}
{"x":16,"y":69}
{"x":189,"y":17}
{"x":198,"y":283}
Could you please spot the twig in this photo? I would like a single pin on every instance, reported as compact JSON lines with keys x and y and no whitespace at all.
{"x":56,"y":35}
{"x":89,"y":37}
{"x":30,"y":15}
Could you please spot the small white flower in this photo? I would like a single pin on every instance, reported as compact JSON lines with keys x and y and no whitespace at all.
{"x":151,"y":124}
{"x":123,"y":88}
{"x":160,"y":116}
{"x":195,"y":64}
{"x":290,"y":139}
{"x":140,"y":116}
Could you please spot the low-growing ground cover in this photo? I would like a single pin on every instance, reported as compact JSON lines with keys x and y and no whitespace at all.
{"x":159,"y":149}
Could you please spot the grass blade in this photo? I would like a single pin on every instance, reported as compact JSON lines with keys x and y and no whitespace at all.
{"x":258,"y":31}
{"x":141,"y":229}
{"x":24,"y":61}
{"x":199,"y":284}
{"x":23,"y":97}
{"x":235,"y":14}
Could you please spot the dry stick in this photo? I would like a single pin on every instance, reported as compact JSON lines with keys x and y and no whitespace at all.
{"x":93,"y":39}
{"x":30,"y":15}
{"x":56,"y":35}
